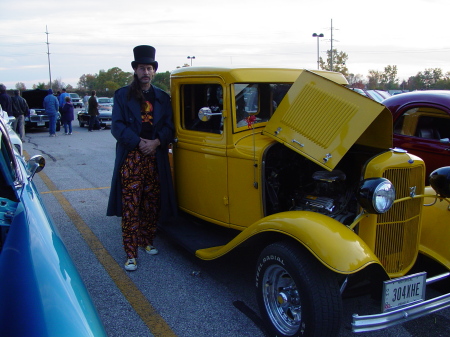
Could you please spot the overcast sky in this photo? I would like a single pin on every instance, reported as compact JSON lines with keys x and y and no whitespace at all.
{"x":88,"y":36}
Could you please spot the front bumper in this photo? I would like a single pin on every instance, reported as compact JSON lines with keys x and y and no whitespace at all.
{"x":105,"y":121}
{"x":402,"y":315}
{"x":38,"y":120}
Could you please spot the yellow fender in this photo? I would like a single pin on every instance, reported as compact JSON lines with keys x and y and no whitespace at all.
{"x":435,"y":229}
{"x":333,"y":244}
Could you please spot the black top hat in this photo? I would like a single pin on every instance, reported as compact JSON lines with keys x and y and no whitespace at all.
{"x":144,"y":55}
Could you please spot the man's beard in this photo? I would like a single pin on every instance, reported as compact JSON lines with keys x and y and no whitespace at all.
{"x":145,"y":79}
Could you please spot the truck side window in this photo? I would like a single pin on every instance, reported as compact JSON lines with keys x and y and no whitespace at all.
{"x":258,"y":99}
{"x":197,"y":96}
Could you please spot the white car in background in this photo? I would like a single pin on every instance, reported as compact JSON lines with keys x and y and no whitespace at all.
{"x":76,"y":100}
{"x":105,"y":103}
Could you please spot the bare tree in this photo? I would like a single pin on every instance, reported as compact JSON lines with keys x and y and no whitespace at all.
{"x":21,"y":86}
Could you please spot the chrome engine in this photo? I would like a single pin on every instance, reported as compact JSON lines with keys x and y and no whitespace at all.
{"x":328,"y":197}
{"x":295,"y":184}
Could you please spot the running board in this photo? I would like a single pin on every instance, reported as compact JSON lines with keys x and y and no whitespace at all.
{"x":194,"y":234}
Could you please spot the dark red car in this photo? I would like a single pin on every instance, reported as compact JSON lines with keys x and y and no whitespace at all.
{"x":422,"y":125}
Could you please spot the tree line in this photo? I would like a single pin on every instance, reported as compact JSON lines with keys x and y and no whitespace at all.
{"x":106,"y":82}
{"x":432,"y":78}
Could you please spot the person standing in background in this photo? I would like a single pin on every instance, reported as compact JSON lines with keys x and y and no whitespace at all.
{"x":93,"y":111}
{"x":67,"y":116}
{"x":20,"y":110}
{"x":5,"y":100}
{"x":86,"y":102}
{"x":62,"y":99}
{"x":51,"y":107}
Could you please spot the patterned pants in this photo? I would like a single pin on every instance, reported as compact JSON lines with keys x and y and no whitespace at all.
{"x":141,"y":201}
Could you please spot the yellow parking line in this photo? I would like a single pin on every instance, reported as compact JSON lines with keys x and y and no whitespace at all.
{"x":76,"y":189}
{"x":156,"y":324}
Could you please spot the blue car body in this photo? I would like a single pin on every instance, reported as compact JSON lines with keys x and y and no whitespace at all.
{"x":41,"y":291}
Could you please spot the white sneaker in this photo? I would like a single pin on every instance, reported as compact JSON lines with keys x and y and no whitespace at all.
{"x":151,"y":250}
{"x":131,"y":265}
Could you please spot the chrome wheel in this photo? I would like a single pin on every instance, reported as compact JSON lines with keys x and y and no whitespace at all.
{"x":297,"y":295}
{"x":282,"y":300}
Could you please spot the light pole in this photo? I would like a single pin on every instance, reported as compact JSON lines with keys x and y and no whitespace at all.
{"x":317,"y":35}
{"x":191,"y":58}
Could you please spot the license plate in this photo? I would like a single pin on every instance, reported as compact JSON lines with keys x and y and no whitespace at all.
{"x":40,"y":123}
{"x":403,"y":290}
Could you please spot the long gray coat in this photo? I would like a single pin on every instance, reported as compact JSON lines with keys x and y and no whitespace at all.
{"x":126,"y":128}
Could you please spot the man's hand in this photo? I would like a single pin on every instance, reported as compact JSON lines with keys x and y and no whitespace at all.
{"x":148,"y":146}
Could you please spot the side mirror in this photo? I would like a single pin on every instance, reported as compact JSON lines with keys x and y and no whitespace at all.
{"x":204,"y":114}
{"x":35,"y":165}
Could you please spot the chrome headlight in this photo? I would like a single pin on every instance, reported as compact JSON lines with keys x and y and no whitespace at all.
{"x":376,"y":195}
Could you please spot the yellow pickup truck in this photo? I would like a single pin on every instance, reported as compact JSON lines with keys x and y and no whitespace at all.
{"x":296,"y":167}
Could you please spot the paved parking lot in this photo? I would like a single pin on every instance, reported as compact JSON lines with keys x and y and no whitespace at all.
{"x":163,"y":297}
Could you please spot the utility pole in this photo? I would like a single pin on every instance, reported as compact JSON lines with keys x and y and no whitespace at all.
{"x":331,"y":54}
{"x":48,"y":56}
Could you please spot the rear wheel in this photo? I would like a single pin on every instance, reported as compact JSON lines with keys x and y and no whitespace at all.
{"x":297,"y":295}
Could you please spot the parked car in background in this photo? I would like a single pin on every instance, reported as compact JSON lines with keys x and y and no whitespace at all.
{"x":76,"y":100}
{"x":41,"y":291}
{"x":359,"y":91}
{"x":37,"y":116}
{"x":104,"y":117}
{"x":422,"y":125}
{"x":105,"y":102}
{"x":376,"y":95}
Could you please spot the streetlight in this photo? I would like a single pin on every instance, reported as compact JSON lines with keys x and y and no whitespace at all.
{"x":317,"y":35}
{"x":191,"y":58}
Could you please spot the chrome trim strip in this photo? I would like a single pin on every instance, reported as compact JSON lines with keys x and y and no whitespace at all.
{"x":437,"y":278}
{"x":399,"y":316}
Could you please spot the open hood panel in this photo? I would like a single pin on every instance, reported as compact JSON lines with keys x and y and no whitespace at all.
{"x":321,"y":120}
{"x":35,"y":98}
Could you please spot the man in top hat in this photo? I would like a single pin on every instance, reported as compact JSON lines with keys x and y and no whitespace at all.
{"x":141,"y":188}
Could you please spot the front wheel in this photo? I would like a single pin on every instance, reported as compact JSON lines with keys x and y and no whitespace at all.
{"x":297,"y":295}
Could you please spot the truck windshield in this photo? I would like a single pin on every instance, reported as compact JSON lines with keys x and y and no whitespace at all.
{"x":257,"y":99}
